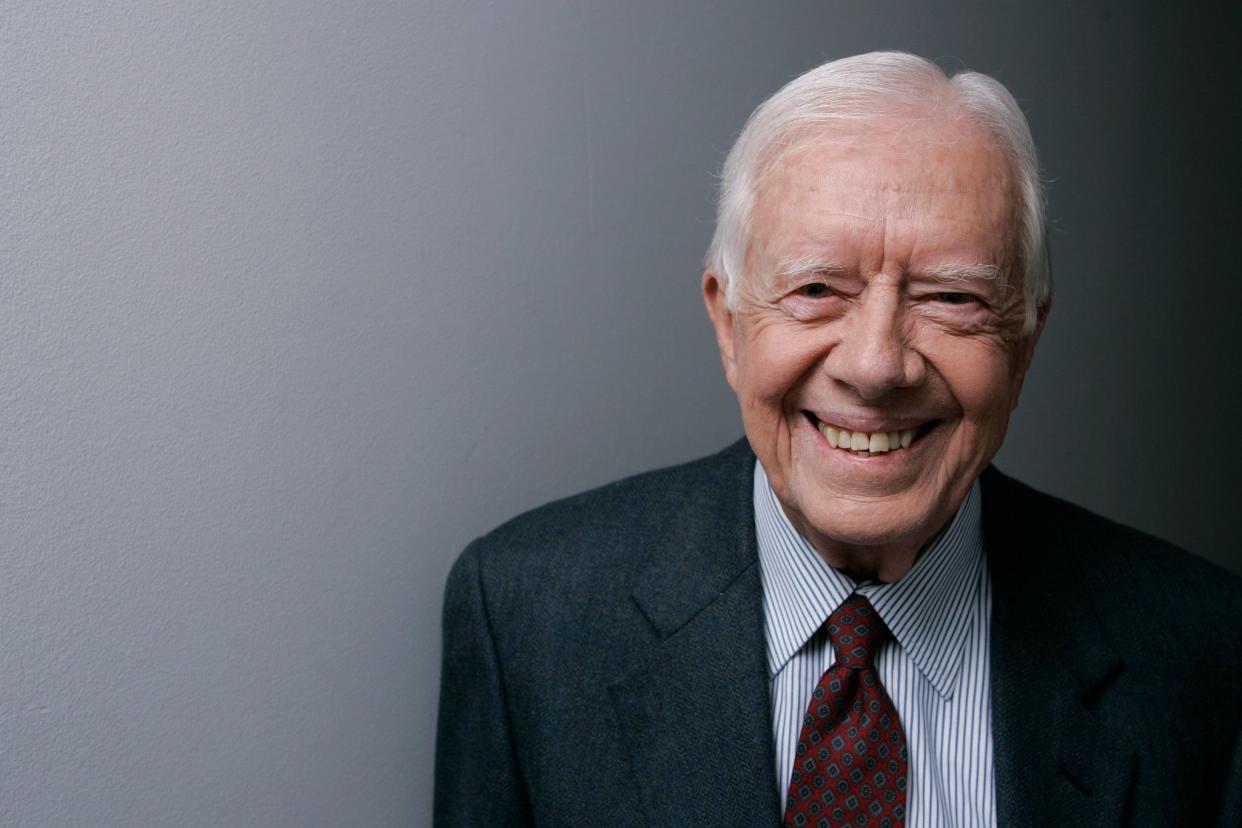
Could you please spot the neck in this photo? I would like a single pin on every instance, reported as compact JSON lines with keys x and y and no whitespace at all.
{"x":885,"y":563}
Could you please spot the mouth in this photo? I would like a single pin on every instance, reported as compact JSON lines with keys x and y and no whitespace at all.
{"x":869,"y":443}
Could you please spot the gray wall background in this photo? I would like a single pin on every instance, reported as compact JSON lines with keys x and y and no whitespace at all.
{"x":299,"y":297}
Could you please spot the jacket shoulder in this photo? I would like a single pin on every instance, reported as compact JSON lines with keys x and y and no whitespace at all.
{"x":1066,"y":530}
{"x":1151,"y":593}
{"x":591,"y":544}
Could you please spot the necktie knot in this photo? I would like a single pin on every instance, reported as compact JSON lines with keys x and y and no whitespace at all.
{"x":856,"y":632}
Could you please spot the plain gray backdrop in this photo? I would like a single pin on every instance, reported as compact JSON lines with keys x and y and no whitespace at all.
{"x":299,"y":297}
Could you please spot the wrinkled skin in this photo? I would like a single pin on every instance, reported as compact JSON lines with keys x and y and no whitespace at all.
{"x":882,"y":291}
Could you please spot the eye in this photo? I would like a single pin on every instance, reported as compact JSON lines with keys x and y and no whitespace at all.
{"x":955,"y":298}
{"x":814,"y":290}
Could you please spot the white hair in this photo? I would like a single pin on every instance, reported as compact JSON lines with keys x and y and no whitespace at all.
{"x":862,"y":88}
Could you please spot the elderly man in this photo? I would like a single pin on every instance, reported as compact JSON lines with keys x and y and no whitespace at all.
{"x":849,"y":618}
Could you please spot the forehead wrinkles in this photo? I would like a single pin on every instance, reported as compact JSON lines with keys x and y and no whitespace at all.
{"x":951,"y":170}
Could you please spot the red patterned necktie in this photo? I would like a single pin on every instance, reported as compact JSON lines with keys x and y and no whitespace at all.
{"x":851,"y":767}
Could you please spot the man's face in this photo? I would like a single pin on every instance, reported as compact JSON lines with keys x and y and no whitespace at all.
{"x":881,"y":296}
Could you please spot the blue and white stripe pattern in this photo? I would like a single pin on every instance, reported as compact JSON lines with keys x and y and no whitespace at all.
{"x":935,"y":667}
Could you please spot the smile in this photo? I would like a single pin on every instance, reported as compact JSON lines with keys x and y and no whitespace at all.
{"x":867,"y":443}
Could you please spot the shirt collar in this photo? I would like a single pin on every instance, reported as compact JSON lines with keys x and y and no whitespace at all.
{"x":928,"y":610}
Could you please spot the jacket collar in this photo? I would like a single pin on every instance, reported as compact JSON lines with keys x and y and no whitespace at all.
{"x":694,"y":708}
{"x":1052,"y":668}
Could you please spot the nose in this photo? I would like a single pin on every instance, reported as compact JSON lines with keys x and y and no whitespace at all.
{"x":873,"y":356}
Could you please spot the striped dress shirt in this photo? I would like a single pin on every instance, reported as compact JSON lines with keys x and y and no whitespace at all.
{"x":935,"y":666}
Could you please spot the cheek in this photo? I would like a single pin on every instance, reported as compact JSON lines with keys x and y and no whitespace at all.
{"x":979,"y":376}
{"x":983,"y":388}
{"x":772,"y":366}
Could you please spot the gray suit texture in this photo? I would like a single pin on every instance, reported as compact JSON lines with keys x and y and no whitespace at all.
{"x":604,"y":665}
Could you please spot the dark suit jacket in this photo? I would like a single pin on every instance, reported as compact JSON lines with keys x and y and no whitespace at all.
{"x":604,"y":665}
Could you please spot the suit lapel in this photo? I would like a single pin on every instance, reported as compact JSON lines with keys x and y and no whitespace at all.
{"x":694,"y":708}
{"x":1052,"y":667}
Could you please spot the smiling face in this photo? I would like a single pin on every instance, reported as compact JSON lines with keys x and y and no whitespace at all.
{"x":876,"y":345}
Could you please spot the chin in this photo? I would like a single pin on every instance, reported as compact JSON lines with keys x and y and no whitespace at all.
{"x":870,"y":523}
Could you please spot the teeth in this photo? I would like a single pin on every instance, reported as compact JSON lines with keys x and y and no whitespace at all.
{"x":862,"y":441}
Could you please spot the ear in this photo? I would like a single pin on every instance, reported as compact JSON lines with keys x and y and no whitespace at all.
{"x":1026,"y":352}
{"x":722,"y":320}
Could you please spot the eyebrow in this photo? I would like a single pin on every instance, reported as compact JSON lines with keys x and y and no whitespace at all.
{"x":808,"y":263}
{"x":951,"y":273}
